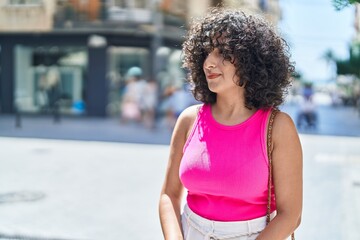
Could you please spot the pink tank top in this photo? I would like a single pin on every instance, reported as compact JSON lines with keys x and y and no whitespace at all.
{"x":225,"y":168}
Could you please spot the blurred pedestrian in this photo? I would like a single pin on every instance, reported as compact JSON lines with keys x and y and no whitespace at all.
{"x":166,"y":107}
{"x":131,"y":107}
{"x":307,"y":114}
{"x":181,"y":99}
{"x":42,"y":96}
{"x":149,"y":102}
{"x":219,"y":150}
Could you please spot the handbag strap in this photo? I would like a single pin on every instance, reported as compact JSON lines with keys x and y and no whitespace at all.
{"x":269,"y":153}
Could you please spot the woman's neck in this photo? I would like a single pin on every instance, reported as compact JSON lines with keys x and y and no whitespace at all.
{"x":231,"y":110}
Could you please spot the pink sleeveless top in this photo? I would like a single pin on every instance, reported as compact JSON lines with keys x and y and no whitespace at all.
{"x":225,"y":168}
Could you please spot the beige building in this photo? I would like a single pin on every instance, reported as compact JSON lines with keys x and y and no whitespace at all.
{"x":37,"y":15}
{"x":269,"y":8}
{"x":26,"y":15}
{"x":176,"y":7}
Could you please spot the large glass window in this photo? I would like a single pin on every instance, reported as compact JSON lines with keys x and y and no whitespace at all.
{"x":49,"y":78}
{"x":169,"y":74}
{"x":121,"y":60}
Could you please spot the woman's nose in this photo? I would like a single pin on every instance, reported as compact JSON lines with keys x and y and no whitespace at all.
{"x":209,"y":62}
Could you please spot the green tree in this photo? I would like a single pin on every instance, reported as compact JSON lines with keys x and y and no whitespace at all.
{"x":297,"y":75}
{"x":340,"y":4}
{"x":330,"y":60}
{"x":329,"y":56}
{"x":351,"y":65}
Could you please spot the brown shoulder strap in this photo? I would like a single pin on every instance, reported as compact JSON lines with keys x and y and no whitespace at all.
{"x":269,"y":153}
{"x":268,"y":146}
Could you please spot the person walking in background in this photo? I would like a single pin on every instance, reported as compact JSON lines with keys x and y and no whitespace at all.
{"x":167,"y":106}
{"x":240,"y":70}
{"x":132,"y":101}
{"x":181,"y":99}
{"x":307,"y":114}
{"x":177,"y":99}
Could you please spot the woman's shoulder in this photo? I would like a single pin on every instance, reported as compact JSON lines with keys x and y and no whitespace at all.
{"x":190,"y":113}
{"x":283,"y":125}
{"x":185,"y":123}
{"x":282,"y":118}
{"x":187,"y":117}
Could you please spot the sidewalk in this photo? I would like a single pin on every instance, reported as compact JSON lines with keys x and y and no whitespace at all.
{"x":80,"y":190}
{"x":332,"y":121}
{"x":82,"y":128}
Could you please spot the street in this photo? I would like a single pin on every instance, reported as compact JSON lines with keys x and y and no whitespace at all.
{"x":105,"y":188}
{"x":91,"y":190}
{"x":90,"y":91}
{"x":102,"y":190}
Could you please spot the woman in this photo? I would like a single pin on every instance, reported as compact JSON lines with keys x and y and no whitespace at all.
{"x":240,"y":69}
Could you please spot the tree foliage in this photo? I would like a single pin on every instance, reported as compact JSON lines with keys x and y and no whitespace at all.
{"x":340,"y":4}
{"x":351,"y":65}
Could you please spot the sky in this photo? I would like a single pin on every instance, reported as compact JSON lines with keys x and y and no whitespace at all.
{"x":311,"y":27}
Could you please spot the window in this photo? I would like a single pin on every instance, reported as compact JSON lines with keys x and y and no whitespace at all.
{"x":140,"y":4}
{"x":129,"y":4}
{"x":25,"y":2}
{"x":119,"y":3}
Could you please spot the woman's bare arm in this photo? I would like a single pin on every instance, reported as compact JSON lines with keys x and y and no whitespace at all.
{"x":287,"y":179}
{"x":172,"y":190}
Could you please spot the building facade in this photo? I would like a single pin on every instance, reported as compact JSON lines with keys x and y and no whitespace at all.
{"x":74,"y":55}
{"x":26,"y":15}
{"x":270,"y":9}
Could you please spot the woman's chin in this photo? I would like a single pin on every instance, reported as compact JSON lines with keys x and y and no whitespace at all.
{"x":212,"y":87}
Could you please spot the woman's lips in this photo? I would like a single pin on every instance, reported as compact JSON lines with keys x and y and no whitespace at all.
{"x":213,"y":75}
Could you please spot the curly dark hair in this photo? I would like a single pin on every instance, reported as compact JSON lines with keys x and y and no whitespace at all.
{"x":261,"y":57}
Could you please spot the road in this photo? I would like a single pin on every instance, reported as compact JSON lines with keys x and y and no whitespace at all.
{"x":335,"y":121}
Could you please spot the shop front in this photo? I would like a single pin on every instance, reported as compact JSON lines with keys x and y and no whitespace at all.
{"x":70,"y":73}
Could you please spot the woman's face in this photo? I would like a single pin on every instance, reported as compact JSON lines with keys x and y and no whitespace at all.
{"x":220,"y":73}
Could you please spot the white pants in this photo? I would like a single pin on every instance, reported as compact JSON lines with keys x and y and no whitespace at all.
{"x":198,"y":228}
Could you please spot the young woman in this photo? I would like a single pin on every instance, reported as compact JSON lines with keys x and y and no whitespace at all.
{"x":240,"y":69}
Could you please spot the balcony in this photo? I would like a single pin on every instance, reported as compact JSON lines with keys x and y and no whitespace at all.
{"x":24,"y":4}
{"x":115,"y":18}
{"x":137,"y":15}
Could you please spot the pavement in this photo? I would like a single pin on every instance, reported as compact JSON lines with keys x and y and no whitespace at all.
{"x":57,"y":189}
{"x":82,"y":128}
{"x":331,"y":121}
{"x":95,"y":179}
